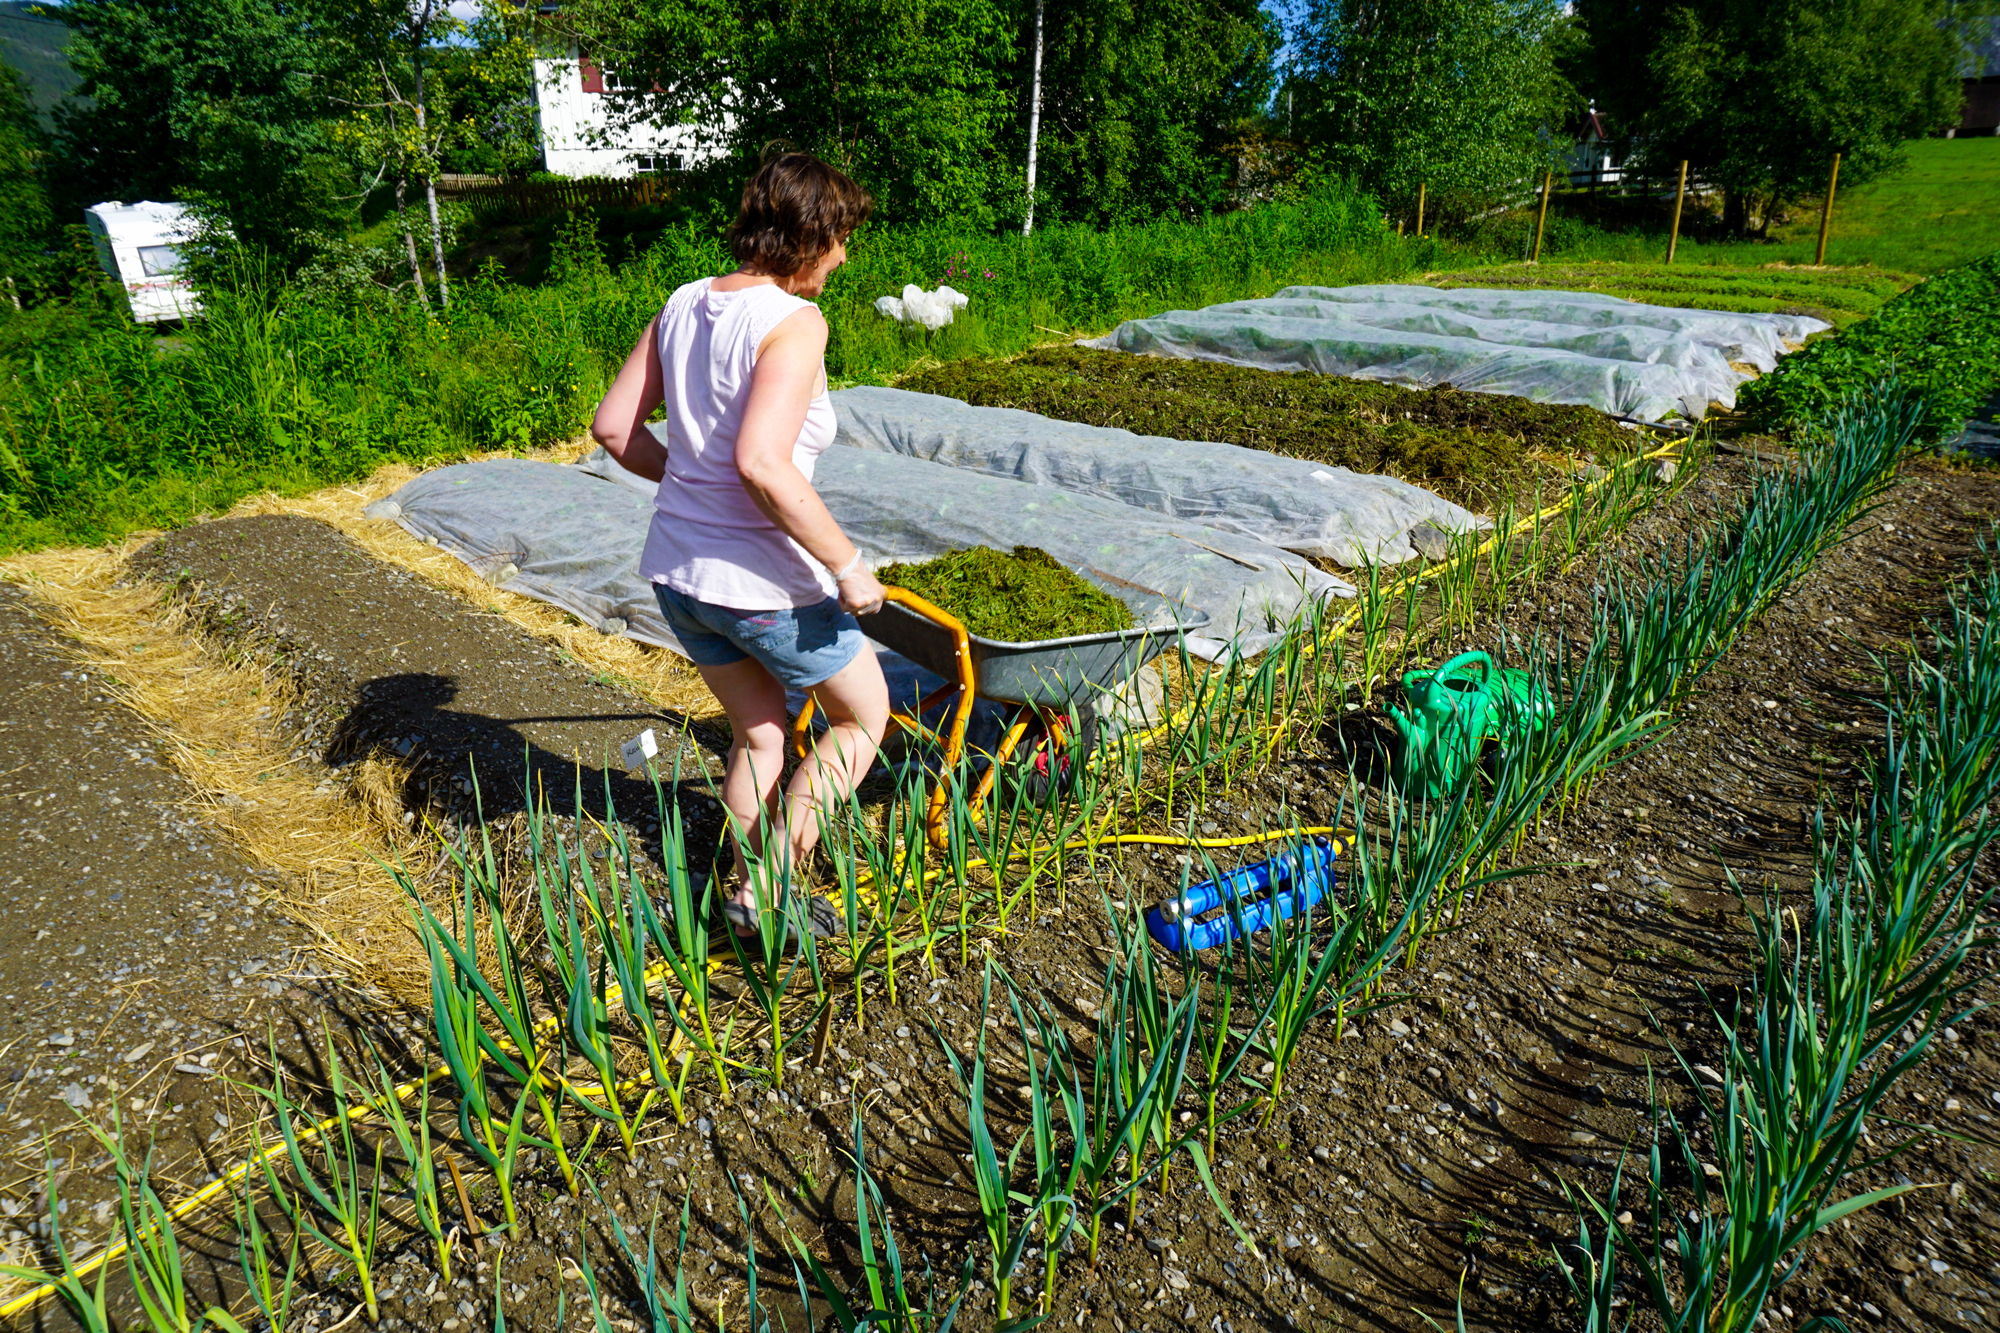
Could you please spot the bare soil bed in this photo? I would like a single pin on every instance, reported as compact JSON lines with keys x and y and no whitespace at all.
{"x":391,"y":667}
{"x":140,"y":965}
{"x":1433,"y":1142}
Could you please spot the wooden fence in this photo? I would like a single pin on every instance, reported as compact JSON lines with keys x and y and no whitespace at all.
{"x":546,"y":198}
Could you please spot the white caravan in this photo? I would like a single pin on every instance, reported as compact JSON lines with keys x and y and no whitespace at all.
{"x":139,"y":244}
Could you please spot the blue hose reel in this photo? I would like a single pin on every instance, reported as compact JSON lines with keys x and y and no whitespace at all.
{"x":1246,"y":900}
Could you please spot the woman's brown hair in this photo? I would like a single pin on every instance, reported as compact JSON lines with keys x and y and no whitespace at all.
{"x":794,"y":210}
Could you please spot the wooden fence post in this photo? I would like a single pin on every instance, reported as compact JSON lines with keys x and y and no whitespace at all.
{"x":1680,"y":193}
{"x":1548,"y":184}
{"x":1826,"y":213}
{"x":1421,"y":187}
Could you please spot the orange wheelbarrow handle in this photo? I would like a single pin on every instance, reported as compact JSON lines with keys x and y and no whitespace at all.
{"x":954,"y":739}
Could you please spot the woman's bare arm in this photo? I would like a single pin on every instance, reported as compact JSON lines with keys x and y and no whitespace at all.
{"x":620,"y":423}
{"x":782,"y":385}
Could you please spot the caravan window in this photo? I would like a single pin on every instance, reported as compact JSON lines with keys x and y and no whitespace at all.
{"x":159,"y":261}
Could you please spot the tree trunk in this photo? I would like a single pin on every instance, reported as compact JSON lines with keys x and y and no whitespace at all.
{"x":1735,"y":213}
{"x":1034,"y":122}
{"x":410,"y":241}
{"x":431,"y":198}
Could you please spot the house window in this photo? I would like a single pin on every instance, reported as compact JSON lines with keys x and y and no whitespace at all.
{"x":159,"y":261}
{"x":648,"y":163}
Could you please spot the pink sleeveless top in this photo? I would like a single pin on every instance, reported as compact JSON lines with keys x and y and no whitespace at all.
{"x":709,"y":540}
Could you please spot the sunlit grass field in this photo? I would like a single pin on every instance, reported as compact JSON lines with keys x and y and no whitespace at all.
{"x":1942,"y":210}
{"x":1840,"y":296}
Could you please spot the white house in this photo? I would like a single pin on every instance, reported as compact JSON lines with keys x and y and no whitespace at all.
{"x":139,"y":244}
{"x":572,"y":115}
{"x":1593,"y":158}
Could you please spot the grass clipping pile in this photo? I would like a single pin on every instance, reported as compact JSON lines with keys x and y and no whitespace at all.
{"x":1021,"y":597}
{"x":1468,"y":447}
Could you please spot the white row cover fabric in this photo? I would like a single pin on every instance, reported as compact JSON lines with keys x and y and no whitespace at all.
{"x":898,"y":508}
{"x":571,"y":536}
{"x":1641,"y":362}
{"x":1349,"y":517}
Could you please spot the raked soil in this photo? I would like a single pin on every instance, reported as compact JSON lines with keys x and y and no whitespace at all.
{"x":392,"y":667}
{"x":1434,"y":1141}
{"x":139,"y":965}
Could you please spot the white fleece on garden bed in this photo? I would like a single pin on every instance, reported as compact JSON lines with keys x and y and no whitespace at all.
{"x":1641,"y":362}
{"x":572,"y":535}
{"x":1353,"y":518}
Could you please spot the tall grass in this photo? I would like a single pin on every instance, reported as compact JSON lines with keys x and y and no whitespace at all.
{"x":104,"y":426}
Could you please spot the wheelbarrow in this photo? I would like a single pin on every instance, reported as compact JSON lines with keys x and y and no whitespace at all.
{"x":1047,"y":681}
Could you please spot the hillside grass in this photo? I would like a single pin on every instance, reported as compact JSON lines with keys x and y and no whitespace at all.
{"x":1938,"y":213}
{"x":1941,"y":212}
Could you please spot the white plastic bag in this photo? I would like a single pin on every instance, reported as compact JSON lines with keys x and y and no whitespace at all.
{"x":929,"y":310}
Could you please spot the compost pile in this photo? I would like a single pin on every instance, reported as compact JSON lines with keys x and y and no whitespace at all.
{"x":1465,"y":446}
{"x":1020,"y":597}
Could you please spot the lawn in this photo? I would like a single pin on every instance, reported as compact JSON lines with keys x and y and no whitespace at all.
{"x":1839,"y":296}
{"x":1934,"y":214}
{"x":1941,"y":211}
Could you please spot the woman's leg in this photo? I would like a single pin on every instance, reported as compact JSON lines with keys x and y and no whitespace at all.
{"x":755,"y":704}
{"x":855,"y":703}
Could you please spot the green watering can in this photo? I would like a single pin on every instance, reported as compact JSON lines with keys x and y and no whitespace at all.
{"x":1453,"y":711}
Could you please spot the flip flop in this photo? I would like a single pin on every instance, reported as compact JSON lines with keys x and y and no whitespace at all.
{"x":823,"y":919}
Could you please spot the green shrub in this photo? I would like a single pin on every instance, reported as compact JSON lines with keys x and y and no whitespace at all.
{"x":1940,"y":339}
{"x":1467,"y":446}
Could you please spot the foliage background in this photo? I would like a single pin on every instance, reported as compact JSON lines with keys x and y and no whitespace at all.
{"x":1757,"y":95}
{"x":1460,"y":96}
{"x":926,"y":101}
{"x":104,"y":426}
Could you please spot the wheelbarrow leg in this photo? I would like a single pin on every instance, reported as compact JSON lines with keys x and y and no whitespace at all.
{"x":910,"y":722}
{"x":1055,"y":734}
{"x":937,"y":821}
{"x":1008,"y":744}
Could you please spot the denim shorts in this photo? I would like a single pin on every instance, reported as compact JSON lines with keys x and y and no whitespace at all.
{"x":800,"y":645}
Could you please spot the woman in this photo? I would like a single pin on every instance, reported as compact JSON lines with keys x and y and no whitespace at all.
{"x":755,"y":576}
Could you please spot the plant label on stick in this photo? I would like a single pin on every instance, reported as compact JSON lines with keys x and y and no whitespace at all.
{"x":639,"y":749}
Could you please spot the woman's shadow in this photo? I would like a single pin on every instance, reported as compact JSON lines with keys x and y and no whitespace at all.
{"x":470,"y":765}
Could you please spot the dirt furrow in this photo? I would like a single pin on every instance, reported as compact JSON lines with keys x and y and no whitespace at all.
{"x":142,"y":966}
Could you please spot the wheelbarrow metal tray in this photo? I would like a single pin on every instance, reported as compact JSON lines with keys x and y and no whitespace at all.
{"x":1048,"y":672}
